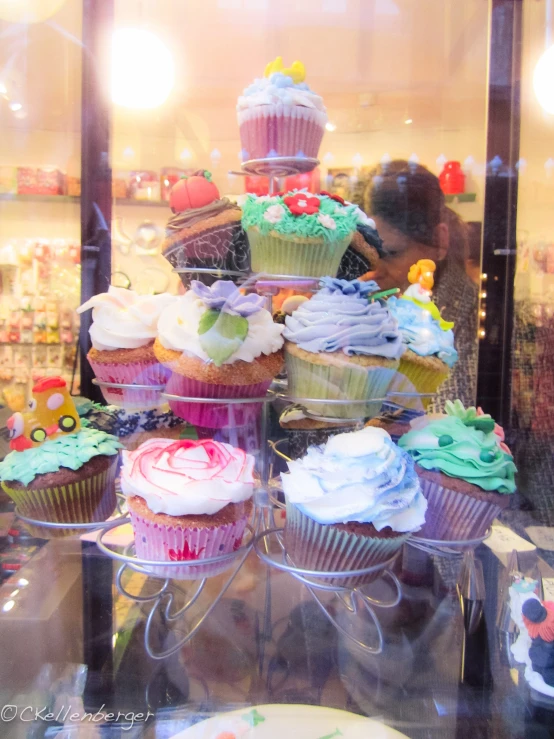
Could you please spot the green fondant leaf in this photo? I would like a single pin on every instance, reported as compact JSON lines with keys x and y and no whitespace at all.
{"x":253,"y":718}
{"x":189,"y":432}
{"x":221,"y":334}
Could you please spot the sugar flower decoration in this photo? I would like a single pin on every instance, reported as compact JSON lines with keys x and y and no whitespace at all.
{"x":326,"y":221}
{"x":274,"y":213}
{"x":302,"y":203}
{"x":349,"y":287}
{"x":223,"y":295}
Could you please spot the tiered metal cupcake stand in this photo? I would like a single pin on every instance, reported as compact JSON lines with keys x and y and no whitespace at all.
{"x":176,"y":603}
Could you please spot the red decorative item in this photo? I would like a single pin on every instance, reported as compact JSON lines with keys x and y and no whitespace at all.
{"x":331,"y":195}
{"x":256,"y":185}
{"x":193,"y":192}
{"x":302,"y":203}
{"x":184,"y":555}
{"x":452,"y":179}
{"x":309,"y":181}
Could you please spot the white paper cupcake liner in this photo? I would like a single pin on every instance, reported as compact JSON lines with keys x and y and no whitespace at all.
{"x":324,"y":547}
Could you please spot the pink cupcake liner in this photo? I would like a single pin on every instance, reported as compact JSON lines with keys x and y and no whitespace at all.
{"x":138,"y":373}
{"x":155,"y":541}
{"x":215,"y":415}
{"x":455,"y":516}
{"x":280,"y":130}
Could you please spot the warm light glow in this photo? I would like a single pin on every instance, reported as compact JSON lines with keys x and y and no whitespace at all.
{"x":483,"y":314}
{"x":483,"y":295}
{"x":15,"y":106}
{"x":143,"y":72}
{"x":330,"y":126}
{"x":484,"y":276}
{"x":3,"y":89}
{"x":482,"y":333}
{"x":28,"y":11}
{"x":543,"y":80}
{"x":408,"y":121}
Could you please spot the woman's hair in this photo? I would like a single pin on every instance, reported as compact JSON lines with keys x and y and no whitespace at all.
{"x":408,"y":197}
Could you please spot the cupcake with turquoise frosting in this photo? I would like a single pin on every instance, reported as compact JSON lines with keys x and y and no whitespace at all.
{"x":428,"y":339}
{"x":58,"y":471}
{"x":342,"y":345}
{"x":351,"y":504}
{"x":298,"y":233}
{"x":467,"y":472}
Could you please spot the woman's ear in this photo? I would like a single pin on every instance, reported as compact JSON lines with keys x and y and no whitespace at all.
{"x":442,"y":240}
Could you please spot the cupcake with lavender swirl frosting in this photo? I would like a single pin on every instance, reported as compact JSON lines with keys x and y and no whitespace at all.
{"x":351,"y":504}
{"x":342,"y":344}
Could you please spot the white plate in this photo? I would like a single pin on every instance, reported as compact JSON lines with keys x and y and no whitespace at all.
{"x":282,"y":720}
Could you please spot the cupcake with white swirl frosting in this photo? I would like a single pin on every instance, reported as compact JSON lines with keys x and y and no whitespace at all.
{"x":124,"y":326}
{"x":351,"y":504}
{"x":342,"y":344}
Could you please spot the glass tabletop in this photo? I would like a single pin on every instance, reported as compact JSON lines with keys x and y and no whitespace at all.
{"x":72,"y":644}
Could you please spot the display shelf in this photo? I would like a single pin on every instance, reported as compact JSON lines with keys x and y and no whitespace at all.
{"x":463,"y":197}
{"x":39,"y":198}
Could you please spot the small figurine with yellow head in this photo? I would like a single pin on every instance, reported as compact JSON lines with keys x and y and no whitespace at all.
{"x":51,"y":413}
{"x":421,"y":277}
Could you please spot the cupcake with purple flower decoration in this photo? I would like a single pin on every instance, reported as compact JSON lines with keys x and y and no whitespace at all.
{"x":343,"y":344}
{"x":218,"y":343}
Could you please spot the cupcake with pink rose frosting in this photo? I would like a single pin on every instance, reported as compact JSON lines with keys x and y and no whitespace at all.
{"x":124,"y":326}
{"x":188,"y":501}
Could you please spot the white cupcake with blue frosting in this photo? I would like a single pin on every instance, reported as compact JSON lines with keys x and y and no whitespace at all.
{"x":351,"y":504}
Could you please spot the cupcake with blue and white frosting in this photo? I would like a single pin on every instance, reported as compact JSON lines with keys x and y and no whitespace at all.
{"x":351,"y":504}
{"x":279,"y":115}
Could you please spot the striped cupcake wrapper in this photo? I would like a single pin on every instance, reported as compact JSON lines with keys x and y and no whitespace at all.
{"x":90,"y":500}
{"x":314,"y":546}
{"x":278,"y":255}
{"x":456,"y":516}
{"x":280,"y":130}
{"x":158,"y":542}
{"x":413,"y":378}
{"x":345,"y":382}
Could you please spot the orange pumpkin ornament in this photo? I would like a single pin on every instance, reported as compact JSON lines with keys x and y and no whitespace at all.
{"x":192,"y":192}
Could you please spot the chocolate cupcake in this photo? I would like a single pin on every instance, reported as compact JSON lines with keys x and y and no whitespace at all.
{"x":57,"y":471}
{"x":467,"y":472}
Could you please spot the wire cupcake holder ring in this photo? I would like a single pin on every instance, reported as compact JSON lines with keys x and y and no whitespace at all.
{"x":174,"y":620}
{"x":454,"y":549}
{"x":41,"y":529}
{"x":352,"y":601}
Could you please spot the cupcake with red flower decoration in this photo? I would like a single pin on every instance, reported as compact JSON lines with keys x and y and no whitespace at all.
{"x":188,"y":501}
{"x":298,"y":233}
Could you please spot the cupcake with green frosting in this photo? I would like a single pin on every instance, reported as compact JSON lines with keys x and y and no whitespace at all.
{"x":298,"y":233}
{"x":59,"y":471}
{"x":467,"y":472}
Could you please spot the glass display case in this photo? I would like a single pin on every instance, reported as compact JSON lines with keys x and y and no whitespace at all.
{"x":275,"y":382}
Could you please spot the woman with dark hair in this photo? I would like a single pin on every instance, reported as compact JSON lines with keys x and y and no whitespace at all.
{"x":408,"y":207}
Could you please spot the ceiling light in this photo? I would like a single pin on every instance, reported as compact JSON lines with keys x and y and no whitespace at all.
{"x":330,"y":126}
{"x":543,"y":80}
{"x":143,"y":71}
{"x":15,"y":106}
{"x":3,"y":89}
{"x":185,"y":154}
{"x":8,"y":605}
{"x":408,"y":121}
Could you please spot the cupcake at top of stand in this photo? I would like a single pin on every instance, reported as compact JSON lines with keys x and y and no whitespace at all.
{"x":342,"y":344}
{"x":467,"y":472}
{"x":297,"y":232}
{"x":351,"y":504}
{"x":218,"y":343}
{"x":188,"y":500}
{"x":279,"y":115}
{"x":58,"y":471}
{"x":204,"y":230}
{"x":428,"y":338}
{"x":124,"y":326}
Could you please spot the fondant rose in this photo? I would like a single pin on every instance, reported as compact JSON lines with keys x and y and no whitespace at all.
{"x":183,"y":478}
